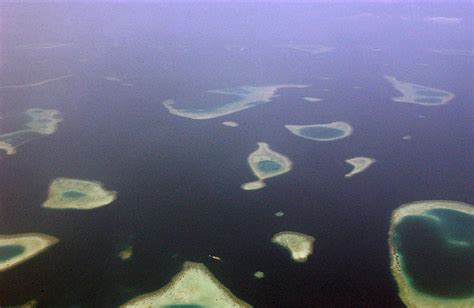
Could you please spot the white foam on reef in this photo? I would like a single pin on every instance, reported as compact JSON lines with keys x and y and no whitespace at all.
{"x":263,"y":154}
{"x":407,"y":137}
{"x":310,"y":48}
{"x":36,"y":84}
{"x":344,"y":127}
{"x":298,"y":244}
{"x":360,"y":164}
{"x":410,"y":296}
{"x":44,"y":46}
{"x":411,"y":93}
{"x":312,"y":99}
{"x":85,"y":195}
{"x":41,"y":122}
{"x":194,"y":285}
{"x":249,"y":96}
{"x":452,"y":52}
{"x":230,"y":123}
{"x":111,"y":78}
{"x":32,"y":244}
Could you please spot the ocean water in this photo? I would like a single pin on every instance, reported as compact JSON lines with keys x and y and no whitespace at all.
{"x":178,"y":180}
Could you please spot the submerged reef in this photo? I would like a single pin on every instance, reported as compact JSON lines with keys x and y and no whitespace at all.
{"x":298,"y":244}
{"x":420,"y":95}
{"x":266,"y":163}
{"x":322,"y":132}
{"x":360,"y":164}
{"x":65,"y":193}
{"x":193,"y":286}
{"x":247,"y":97}
{"x":18,"y":248}
{"x":431,"y":252}
{"x":35,"y":84}
{"x":40,"y":122}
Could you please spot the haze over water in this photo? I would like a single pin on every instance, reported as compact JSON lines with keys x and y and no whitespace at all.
{"x":108,"y":67}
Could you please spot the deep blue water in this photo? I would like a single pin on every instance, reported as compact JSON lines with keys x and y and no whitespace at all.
{"x":178,"y":180}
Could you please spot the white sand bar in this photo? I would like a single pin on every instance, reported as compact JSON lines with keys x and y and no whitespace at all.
{"x":195,"y":286}
{"x":266,"y":163}
{"x":420,"y":95}
{"x":65,"y":193}
{"x":41,"y":122}
{"x":247,"y":97}
{"x":322,"y":132}
{"x":18,"y":248}
{"x":298,"y":244}
{"x":360,"y":164}
{"x":230,"y":123}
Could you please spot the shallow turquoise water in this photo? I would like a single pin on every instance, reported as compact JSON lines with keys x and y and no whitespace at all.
{"x":268,"y":166}
{"x":431,"y":93}
{"x":428,"y":100}
{"x":321,"y":132}
{"x":73,"y":194}
{"x":10,"y":251}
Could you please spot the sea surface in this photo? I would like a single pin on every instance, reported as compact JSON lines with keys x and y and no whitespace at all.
{"x":178,"y":180}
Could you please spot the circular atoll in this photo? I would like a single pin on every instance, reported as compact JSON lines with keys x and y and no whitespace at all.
{"x":431,"y":252}
{"x":193,"y":286}
{"x":322,"y":132}
{"x":39,"y":122}
{"x":18,"y":248}
{"x":66,"y":193}
{"x":266,"y":163}
{"x":298,"y":244}
{"x":420,"y":95}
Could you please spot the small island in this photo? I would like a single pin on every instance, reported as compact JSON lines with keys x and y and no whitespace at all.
{"x":18,"y":248}
{"x":66,"y":193}
{"x":312,"y":99}
{"x":40,"y":122}
{"x":420,"y":95}
{"x":279,"y":214}
{"x":259,"y":274}
{"x":298,"y":244}
{"x":246,"y":97}
{"x":266,"y":163}
{"x":193,"y":286}
{"x":431,"y":247}
{"x":230,"y":123}
{"x":360,"y":164}
{"x":322,"y":132}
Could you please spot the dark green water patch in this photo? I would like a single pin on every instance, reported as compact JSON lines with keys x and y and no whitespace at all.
{"x":321,"y":132}
{"x":434,"y":265}
{"x":73,"y":194}
{"x":268,"y":166}
{"x":10,"y":251}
